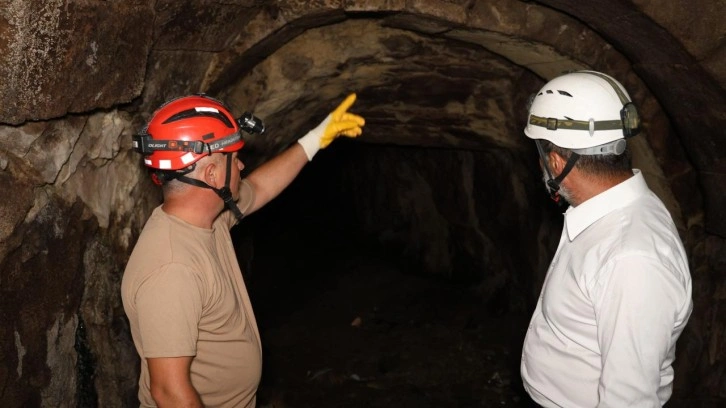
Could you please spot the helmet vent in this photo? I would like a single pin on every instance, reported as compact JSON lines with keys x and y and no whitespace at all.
{"x":549,"y":92}
{"x":208,"y":136}
{"x":194,"y":113}
{"x":565,"y":93}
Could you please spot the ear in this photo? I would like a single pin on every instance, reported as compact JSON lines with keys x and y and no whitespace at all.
{"x":557,"y":162}
{"x":211,"y":173}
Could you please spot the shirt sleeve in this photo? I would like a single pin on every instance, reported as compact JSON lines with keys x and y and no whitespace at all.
{"x":636,"y":306}
{"x":169,"y":307}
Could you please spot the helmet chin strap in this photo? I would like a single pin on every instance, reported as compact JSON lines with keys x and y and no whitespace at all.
{"x":553,"y":184}
{"x":224,"y":193}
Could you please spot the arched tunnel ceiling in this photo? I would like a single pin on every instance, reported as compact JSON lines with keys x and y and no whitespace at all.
{"x":526,"y":37}
{"x":414,"y":90}
{"x":214,"y":47}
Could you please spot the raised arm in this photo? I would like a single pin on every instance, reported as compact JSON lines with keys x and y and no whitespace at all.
{"x":275,"y":175}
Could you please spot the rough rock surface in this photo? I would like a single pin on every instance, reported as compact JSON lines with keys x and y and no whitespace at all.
{"x":443,"y":85}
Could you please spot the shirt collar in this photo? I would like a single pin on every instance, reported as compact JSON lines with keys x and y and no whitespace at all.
{"x":577,"y":219}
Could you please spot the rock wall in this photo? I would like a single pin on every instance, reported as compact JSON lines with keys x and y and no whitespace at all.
{"x":67,"y":226}
{"x":81,"y":77}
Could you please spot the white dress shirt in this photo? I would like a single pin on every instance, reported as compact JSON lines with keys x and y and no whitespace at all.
{"x":616,"y":297}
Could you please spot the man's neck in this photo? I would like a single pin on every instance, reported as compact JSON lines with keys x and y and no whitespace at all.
{"x":194,"y":210}
{"x":583,"y":187}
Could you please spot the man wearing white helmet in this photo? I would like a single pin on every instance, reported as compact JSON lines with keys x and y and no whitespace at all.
{"x":618,"y":291}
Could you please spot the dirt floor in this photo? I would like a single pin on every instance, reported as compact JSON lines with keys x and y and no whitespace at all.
{"x":371,"y":336}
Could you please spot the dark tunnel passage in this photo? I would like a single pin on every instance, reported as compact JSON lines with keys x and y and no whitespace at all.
{"x":353,"y":309}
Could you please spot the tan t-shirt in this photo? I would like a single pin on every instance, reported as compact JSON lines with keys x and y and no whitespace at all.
{"x":184,"y":296}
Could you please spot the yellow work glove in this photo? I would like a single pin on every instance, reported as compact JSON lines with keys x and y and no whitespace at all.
{"x":339,"y":122}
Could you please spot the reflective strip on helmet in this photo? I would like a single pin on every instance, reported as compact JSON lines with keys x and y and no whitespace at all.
{"x":205,"y":109}
{"x":148,"y":162}
{"x":187,"y":158}
{"x":164,"y":165}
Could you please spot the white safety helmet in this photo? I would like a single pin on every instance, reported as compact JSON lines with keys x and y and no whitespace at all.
{"x":587,"y":112}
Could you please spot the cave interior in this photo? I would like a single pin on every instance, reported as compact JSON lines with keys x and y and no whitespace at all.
{"x":400,"y":268}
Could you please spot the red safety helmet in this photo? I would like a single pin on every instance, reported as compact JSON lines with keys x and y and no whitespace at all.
{"x":184,"y":130}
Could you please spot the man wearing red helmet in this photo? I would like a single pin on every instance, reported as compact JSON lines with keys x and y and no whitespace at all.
{"x":182,"y":290}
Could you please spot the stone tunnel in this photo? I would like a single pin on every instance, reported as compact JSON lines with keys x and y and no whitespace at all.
{"x":401,"y":267}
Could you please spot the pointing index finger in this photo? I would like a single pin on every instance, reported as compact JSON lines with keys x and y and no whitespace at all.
{"x":343,"y":107}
